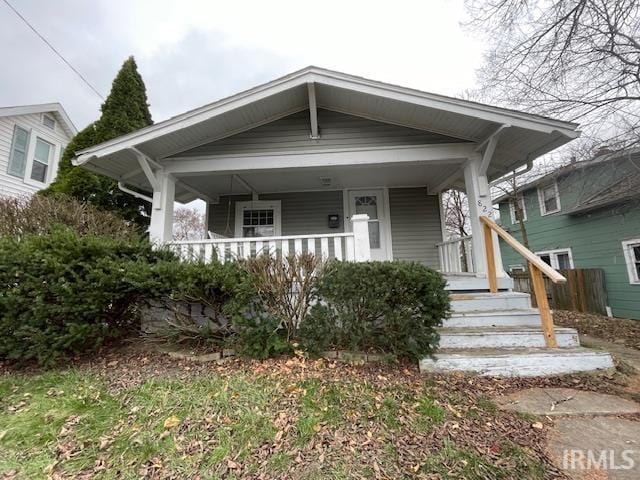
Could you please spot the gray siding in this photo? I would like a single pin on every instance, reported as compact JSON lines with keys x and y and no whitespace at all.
{"x":415,"y":219}
{"x":302,"y":212}
{"x":336,"y":130}
{"x":415,"y":225}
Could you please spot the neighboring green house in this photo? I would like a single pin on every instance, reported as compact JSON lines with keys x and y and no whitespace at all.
{"x":585,"y":215}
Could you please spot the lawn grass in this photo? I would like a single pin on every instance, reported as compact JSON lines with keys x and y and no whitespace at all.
{"x":278,"y":421}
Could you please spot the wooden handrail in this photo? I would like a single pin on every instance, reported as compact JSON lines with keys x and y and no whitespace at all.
{"x":536,"y":268}
{"x":531,"y":257}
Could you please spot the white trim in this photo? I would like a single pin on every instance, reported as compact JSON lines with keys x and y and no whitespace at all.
{"x":339,"y":80}
{"x":630,"y":261}
{"x":436,"y":153}
{"x":540,"y":188}
{"x":40,"y":108}
{"x":46,"y":115}
{"x":52,"y":167}
{"x":512,"y":209}
{"x":275,"y":205}
{"x":386,"y":214}
{"x":553,"y":256}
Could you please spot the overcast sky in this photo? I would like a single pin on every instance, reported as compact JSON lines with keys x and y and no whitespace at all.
{"x":194,"y":52}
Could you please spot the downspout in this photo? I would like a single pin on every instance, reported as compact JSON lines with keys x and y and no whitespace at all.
{"x":122,"y":187}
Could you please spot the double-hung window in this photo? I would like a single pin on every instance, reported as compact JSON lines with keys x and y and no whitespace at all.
{"x":549,"y":199}
{"x":41,"y":159}
{"x":19,"y":151}
{"x":31,"y":156}
{"x":258,"y":218}
{"x":631,"y":250}
{"x":558,"y":259}
{"x":515,"y":212}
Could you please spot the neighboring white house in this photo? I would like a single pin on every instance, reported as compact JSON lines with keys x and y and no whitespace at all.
{"x":32,"y":139}
{"x":288,"y":165}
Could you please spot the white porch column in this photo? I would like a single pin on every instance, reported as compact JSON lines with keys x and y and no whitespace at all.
{"x":479,"y":196}
{"x":360,"y":227}
{"x":161,"y":227}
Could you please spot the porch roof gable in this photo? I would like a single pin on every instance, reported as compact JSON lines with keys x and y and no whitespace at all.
{"x":527,"y":136}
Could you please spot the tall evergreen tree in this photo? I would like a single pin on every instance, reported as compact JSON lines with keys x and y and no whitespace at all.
{"x":125,"y":110}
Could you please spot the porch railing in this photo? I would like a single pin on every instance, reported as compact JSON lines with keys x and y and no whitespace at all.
{"x":350,"y":246}
{"x":456,"y":255}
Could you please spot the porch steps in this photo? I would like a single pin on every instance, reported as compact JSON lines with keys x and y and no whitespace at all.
{"x":501,"y":334}
{"x":528,"y":317}
{"x":504,"y":337}
{"x":518,"y":362}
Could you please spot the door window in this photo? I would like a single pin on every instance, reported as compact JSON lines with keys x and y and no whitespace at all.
{"x":368,"y":204}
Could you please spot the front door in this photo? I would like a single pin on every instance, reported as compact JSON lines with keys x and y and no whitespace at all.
{"x":372,"y":203}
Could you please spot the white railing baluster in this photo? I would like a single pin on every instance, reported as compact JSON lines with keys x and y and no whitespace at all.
{"x":297,"y":246}
{"x":337,"y":247}
{"x":259,"y":247}
{"x":208,"y":253}
{"x":273,"y":250}
{"x":233,"y":251}
{"x":324,"y":248}
{"x":456,"y":255}
{"x":311,"y":246}
{"x":350,"y":249}
{"x":221,"y":252}
{"x":284,"y":248}
{"x":246,"y":250}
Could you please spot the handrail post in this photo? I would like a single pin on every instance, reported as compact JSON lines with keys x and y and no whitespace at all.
{"x":360,"y":227}
{"x":491,"y":259}
{"x":540,"y":293}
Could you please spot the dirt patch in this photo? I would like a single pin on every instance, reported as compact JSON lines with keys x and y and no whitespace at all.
{"x":617,"y":330}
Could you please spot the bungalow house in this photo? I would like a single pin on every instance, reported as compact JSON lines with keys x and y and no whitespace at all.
{"x":585,"y":215}
{"x":351,"y":169}
{"x":32,"y":139}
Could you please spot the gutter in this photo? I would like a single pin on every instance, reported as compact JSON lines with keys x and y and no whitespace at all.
{"x":122,"y":187}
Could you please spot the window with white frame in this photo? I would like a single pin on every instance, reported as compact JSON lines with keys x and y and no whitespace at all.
{"x":41,"y":159}
{"x":560,"y":259}
{"x":549,"y":199}
{"x":31,"y":156}
{"x":514,"y":212}
{"x":258,"y":218}
{"x":631,"y":249}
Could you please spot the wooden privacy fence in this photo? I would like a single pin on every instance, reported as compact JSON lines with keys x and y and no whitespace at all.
{"x":584,"y":290}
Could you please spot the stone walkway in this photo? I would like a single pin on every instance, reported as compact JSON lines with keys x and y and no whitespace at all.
{"x":590,"y":439}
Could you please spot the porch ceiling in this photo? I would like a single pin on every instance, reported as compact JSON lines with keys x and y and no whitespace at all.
{"x":329,"y":178}
{"x":527,"y":137}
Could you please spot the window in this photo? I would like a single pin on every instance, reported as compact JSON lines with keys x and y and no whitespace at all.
{"x":41,"y":157}
{"x":19,"y":148}
{"x":48,"y":121}
{"x":558,"y":259}
{"x":258,"y":218}
{"x":549,"y":199}
{"x":514,"y":213}
{"x":631,"y":249}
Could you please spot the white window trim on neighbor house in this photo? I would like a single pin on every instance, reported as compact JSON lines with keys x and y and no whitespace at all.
{"x":627,"y":248}
{"x":553,"y":256}
{"x":512,"y":209}
{"x":32,"y":139}
{"x":275,"y":205}
{"x":541,"y":189}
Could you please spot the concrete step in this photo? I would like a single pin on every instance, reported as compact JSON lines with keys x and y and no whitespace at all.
{"x":527,"y":362}
{"x":461,"y":282}
{"x":529,"y":317}
{"x":473,"y":302}
{"x":504,"y":337}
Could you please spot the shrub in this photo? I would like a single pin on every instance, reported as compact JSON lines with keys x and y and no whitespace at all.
{"x":42,"y":214}
{"x":204,"y":301}
{"x":63,"y":293}
{"x":392,"y":307}
{"x":286,"y":287}
{"x":260,"y":334}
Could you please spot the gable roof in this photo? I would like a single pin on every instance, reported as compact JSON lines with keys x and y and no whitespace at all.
{"x":55,"y":107}
{"x":608,"y":195}
{"x":527,"y":137}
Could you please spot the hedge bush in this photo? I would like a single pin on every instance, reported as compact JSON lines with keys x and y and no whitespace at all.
{"x":40,"y":215}
{"x":64,"y":293}
{"x":391,"y":307}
